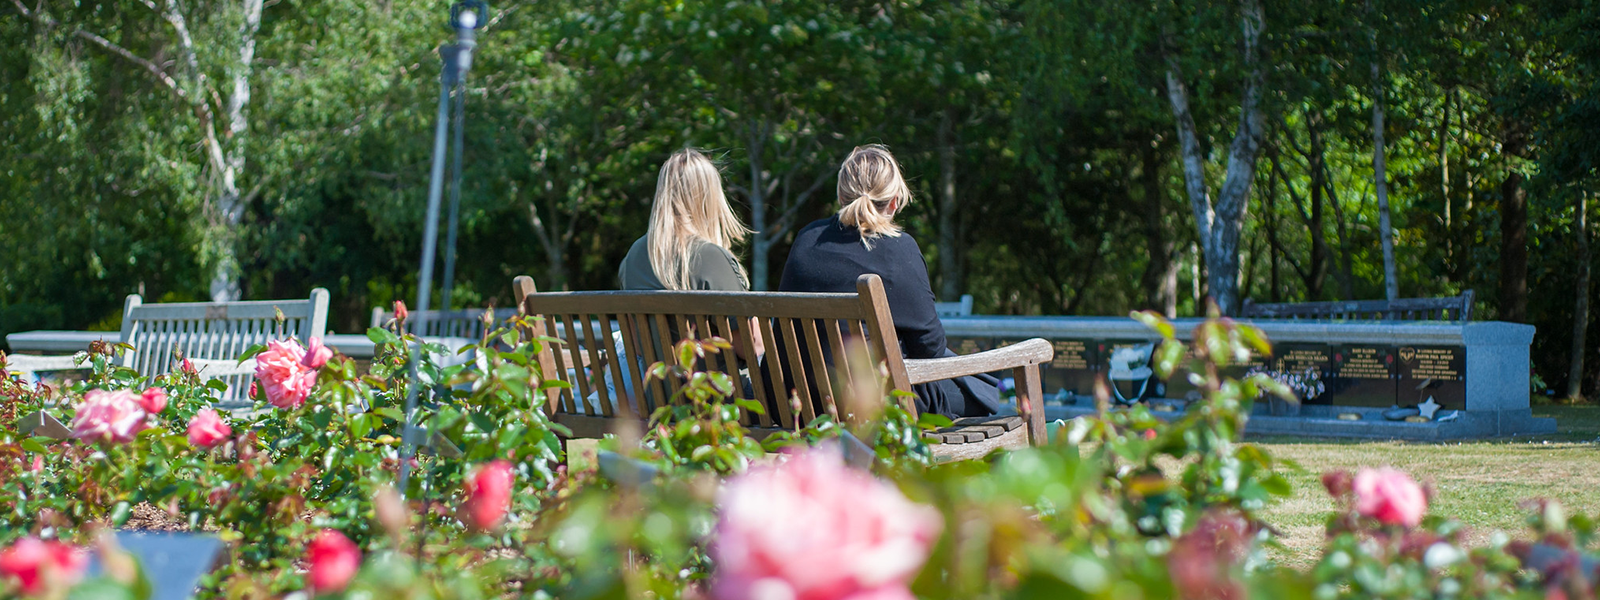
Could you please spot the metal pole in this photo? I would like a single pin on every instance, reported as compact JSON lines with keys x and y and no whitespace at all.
{"x":455,"y":188}
{"x":430,"y":244}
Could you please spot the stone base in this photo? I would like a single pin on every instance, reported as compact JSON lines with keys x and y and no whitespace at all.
{"x":1324,"y":421}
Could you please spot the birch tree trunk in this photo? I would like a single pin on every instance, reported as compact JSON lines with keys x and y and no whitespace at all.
{"x":230,"y":205}
{"x":1219,"y":224}
{"x":1580,"y":312}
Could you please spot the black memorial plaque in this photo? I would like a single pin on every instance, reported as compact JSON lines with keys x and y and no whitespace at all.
{"x":1297,"y":359}
{"x":1437,"y":371}
{"x":1178,"y":386}
{"x":1072,"y":371}
{"x":1363,"y":375}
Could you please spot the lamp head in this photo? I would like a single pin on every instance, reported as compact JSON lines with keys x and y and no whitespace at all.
{"x":469,"y":14}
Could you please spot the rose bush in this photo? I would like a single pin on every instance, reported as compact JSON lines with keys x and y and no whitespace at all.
{"x":305,"y":489}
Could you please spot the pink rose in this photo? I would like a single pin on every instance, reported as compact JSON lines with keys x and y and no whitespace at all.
{"x":153,"y":400}
{"x":40,"y":566}
{"x":1390,"y":496}
{"x":334,"y":560}
{"x":287,"y":380}
{"x":316,"y":354}
{"x":208,"y":429}
{"x":489,"y":495}
{"x":113,"y":416}
{"x":843,"y":534}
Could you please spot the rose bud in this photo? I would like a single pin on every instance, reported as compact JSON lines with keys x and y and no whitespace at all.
{"x":1390,"y":496}
{"x":334,"y":560}
{"x":316,"y":354}
{"x":400,"y":312}
{"x":154,"y":400}
{"x":207,"y":430}
{"x":489,"y":495}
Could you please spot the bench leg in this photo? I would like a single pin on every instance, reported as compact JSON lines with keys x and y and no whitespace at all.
{"x":1030,"y":401}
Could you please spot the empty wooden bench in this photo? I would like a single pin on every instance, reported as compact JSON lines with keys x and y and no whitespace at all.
{"x":1453,"y":308}
{"x":810,"y":326}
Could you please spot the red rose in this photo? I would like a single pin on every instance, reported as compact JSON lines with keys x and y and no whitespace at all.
{"x":40,"y":565}
{"x":334,"y":561}
{"x":489,"y":495}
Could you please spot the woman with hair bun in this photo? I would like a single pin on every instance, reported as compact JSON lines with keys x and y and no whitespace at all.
{"x":828,"y":255}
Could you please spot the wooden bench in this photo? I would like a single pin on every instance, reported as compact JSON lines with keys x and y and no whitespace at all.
{"x":813,"y":322}
{"x":1454,"y":308}
{"x":213,"y":334}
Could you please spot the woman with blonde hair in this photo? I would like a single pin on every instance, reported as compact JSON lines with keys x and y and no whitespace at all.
{"x":862,"y":237}
{"x":689,"y":245}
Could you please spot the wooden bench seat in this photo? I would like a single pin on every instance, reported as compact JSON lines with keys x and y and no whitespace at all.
{"x":810,"y":327}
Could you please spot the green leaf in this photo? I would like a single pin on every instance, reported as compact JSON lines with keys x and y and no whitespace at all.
{"x":933,"y":421}
{"x":251,"y":352}
{"x":35,"y":446}
{"x":120,"y":514}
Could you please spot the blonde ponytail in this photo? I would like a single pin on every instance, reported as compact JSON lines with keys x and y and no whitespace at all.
{"x":871,"y":191}
{"x":689,"y":207}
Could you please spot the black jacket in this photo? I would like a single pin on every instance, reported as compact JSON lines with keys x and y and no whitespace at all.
{"x":828,"y":257}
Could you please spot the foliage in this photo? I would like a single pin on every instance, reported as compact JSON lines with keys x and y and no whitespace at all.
{"x":1119,"y":505}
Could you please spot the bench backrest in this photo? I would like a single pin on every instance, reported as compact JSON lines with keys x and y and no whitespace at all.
{"x":1454,"y":308}
{"x":960,"y":308}
{"x":462,"y":323}
{"x":808,"y":325}
{"x":215,"y":331}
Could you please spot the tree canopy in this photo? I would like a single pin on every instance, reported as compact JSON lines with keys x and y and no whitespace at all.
{"x":204,"y":148}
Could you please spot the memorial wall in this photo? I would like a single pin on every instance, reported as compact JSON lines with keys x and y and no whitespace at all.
{"x":1356,"y":371}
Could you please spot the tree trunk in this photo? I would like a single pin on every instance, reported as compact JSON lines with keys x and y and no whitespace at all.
{"x":949,"y":266}
{"x":1513,"y":230}
{"x":1162,"y":267}
{"x":1580,"y":312}
{"x":1319,"y":235}
{"x":1220,"y":225}
{"x":1391,"y":281}
{"x":1444,"y":187}
{"x":1270,"y":214}
{"x":225,"y":278}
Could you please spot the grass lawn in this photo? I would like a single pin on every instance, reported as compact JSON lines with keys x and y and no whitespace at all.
{"x":1478,"y":483}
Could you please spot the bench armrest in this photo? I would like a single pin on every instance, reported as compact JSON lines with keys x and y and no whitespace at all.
{"x":1031,"y":352}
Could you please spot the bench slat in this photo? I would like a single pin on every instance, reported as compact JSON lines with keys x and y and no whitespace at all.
{"x":819,"y":367}
{"x":791,"y":347}
{"x":774,"y":370}
{"x":733,"y":304}
{"x":758,"y":377}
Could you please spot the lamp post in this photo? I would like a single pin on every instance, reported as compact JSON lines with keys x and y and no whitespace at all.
{"x":466,"y":16}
